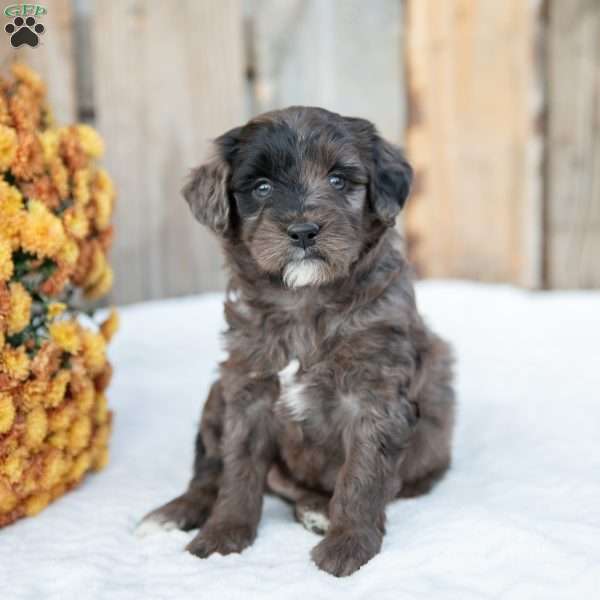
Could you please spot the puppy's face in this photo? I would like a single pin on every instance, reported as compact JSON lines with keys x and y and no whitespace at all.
{"x":304,"y":189}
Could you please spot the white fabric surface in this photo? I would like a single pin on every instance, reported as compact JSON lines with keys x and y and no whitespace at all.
{"x":518,"y":516}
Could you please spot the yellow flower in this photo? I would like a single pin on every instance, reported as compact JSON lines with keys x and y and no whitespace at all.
{"x":94,"y":352}
{"x":58,"y":440}
{"x":80,"y":466}
{"x":5,"y":118}
{"x":50,"y":141}
{"x":103,"y":182}
{"x":11,"y":213}
{"x":69,"y":253}
{"x":97,"y":267}
{"x":101,"y":409}
{"x":80,"y":434}
{"x":53,"y":469}
{"x":57,"y":389}
{"x":59,"y":176}
{"x":55,"y":309}
{"x":76,"y":222}
{"x":7,"y":412}
{"x":42,"y":232}
{"x":66,"y":335}
{"x":20,"y":308}
{"x":32,"y":394}
{"x":85,"y":395}
{"x":110,"y":326}
{"x":15,"y":363}
{"x":28,"y":77}
{"x":104,"y":207}
{"x":101,"y":458}
{"x":14,"y":465}
{"x":8,"y":146}
{"x":60,"y":418}
{"x":8,"y":499}
{"x":6,"y":263}
{"x":36,"y":503}
{"x":90,"y":141}
{"x":36,"y":427}
{"x":81,"y":187}
{"x":102,"y":286}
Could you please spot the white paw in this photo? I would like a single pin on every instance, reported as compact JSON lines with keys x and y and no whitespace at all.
{"x":152,"y":525}
{"x":315,"y":521}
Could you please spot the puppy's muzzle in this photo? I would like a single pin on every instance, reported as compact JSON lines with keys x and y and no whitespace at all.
{"x":303,"y":235}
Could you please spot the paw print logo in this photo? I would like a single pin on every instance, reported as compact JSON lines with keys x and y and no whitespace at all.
{"x":24,"y":31}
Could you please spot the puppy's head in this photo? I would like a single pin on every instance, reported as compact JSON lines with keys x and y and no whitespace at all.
{"x":305,"y":190}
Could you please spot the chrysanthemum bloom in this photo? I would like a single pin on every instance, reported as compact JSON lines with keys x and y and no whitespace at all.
{"x":81,"y":187}
{"x":110,"y":326}
{"x":102,"y":286}
{"x":55,"y":309}
{"x":90,"y":141}
{"x":76,"y":222}
{"x":8,"y":146}
{"x":6,"y":262}
{"x":42,"y":232}
{"x":94,"y":351}
{"x":50,"y":141}
{"x":59,"y":176}
{"x":30,"y":78}
{"x":57,"y":389}
{"x":14,"y":362}
{"x":11,"y":213}
{"x":32,"y":394}
{"x":20,"y":308}
{"x":66,"y":335}
{"x":7,"y":412}
{"x":29,"y":159}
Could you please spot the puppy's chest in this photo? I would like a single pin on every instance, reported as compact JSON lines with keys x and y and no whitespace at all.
{"x":310,"y":396}
{"x":299,"y":349}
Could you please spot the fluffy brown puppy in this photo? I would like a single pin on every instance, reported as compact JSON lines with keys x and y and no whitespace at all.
{"x":335,"y":394}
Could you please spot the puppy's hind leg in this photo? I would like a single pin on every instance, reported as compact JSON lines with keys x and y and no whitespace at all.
{"x":193,"y":507}
{"x":311,"y":508}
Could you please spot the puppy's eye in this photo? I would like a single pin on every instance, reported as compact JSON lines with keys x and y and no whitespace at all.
{"x":263,"y":189}
{"x":337,"y":182}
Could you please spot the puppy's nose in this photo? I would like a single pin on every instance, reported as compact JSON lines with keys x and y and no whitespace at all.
{"x":303,"y":234}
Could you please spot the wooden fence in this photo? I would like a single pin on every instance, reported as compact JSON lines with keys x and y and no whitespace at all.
{"x":497,"y":102}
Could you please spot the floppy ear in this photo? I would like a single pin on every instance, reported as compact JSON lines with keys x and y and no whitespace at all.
{"x":390,"y":181}
{"x":206,"y":192}
{"x":207,"y":189}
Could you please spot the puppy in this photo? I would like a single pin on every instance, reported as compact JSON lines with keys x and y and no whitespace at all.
{"x":334,"y":395}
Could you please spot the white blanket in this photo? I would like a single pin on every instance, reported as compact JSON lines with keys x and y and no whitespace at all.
{"x":518,"y":515}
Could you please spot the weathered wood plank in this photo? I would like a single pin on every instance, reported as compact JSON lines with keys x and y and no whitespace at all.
{"x":573,"y":194}
{"x":343,"y":55}
{"x":474,"y":136}
{"x":53,"y":58}
{"x":168,"y":77}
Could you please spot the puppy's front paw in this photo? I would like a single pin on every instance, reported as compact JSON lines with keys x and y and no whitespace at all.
{"x":222,"y":539}
{"x":344,"y":551}
{"x":185,"y":512}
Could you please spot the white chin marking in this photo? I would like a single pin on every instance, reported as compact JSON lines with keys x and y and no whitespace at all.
{"x":299,"y":273}
{"x":152,"y":525}
{"x":315,"y":521}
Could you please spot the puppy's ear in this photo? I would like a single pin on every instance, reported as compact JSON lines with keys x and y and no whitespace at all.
{"x":390,"y":180}
{"x":207,"y":189}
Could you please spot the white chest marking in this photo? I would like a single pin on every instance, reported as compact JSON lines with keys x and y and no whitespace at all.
{"x":350,"y":404}
{"x":292,"y":391}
